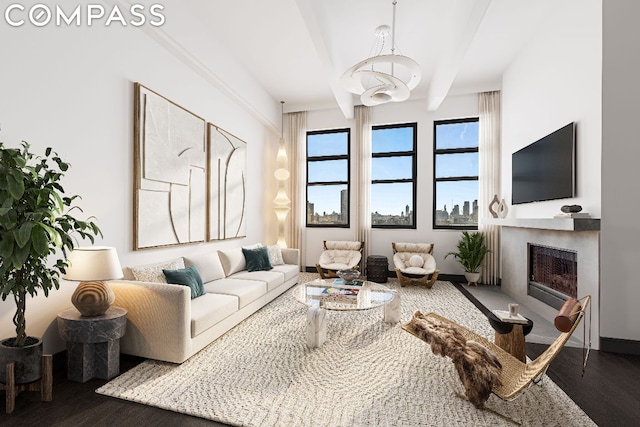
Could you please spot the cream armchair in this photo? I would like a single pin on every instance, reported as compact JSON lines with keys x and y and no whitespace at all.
{"x":339,"y":255}
{"x":415,"y":263}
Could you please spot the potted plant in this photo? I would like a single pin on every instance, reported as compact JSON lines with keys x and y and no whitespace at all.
{"x":37,"y":230}
{"x":471,"y":253}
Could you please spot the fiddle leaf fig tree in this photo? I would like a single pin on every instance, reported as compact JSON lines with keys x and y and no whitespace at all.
{"x":37,"y":228}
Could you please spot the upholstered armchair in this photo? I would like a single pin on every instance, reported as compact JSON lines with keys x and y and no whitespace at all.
{"x":415,"y":264}
{"x":339,"y":255}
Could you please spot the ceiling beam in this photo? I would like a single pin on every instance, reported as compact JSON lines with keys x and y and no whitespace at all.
{"x":314,"y":14}
{"x":448,"y":66}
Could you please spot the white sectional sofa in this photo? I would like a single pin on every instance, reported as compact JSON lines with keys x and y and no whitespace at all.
{"x":164,"y":323}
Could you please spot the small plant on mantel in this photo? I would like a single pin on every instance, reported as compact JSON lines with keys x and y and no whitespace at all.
{"x":470,"y":254}
{"x":37,"y":229}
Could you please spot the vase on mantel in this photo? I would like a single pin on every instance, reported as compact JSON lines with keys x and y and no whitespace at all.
{"x":502,"y":210}
{"x":494,"y":205}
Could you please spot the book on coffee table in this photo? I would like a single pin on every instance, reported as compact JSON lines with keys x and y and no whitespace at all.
{"x":340,"y":291}
{"x":504,"y":316}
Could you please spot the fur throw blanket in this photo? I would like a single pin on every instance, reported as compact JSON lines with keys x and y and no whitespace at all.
{"x":478,"y":368}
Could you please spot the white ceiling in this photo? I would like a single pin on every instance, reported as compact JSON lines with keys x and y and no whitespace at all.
{"x":298,"y":49}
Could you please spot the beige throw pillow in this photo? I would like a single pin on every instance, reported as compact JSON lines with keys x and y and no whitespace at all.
{"x":153,"y":272}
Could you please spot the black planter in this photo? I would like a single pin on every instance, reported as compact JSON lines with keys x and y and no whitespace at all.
{"x":27,"y":359}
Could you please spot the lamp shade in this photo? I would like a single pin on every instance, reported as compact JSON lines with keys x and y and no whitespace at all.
{"x":93,"y":263}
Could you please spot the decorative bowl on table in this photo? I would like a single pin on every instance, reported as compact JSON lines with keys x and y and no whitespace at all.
{"x":348,"y":275}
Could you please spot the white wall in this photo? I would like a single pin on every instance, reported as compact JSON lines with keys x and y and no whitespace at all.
{"x":406,"y":112}
{"x":72,"y":89}
{"x":554,"y":81}
{"x":620,"y":251}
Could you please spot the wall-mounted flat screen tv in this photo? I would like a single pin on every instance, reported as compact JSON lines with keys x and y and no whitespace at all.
{"x":545,"y":170}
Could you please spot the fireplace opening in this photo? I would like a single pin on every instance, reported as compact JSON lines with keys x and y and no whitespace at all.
{"x":553,"y":274}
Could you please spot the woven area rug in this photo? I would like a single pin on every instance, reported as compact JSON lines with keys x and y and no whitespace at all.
{"x":367,"y":373}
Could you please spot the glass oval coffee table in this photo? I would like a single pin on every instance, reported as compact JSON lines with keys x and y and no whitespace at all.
{"x":321,"y":295}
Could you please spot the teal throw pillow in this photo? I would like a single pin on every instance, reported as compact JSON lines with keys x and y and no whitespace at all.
{"x":257,"y":259}
{"x":189,"y":276}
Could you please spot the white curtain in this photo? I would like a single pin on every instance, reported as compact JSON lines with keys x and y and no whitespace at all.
{"x":362,"y":169}
{"x":489,"y":180}
{"x":295,"y":140}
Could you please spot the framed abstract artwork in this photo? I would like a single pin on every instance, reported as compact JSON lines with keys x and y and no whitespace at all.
{"x":227,"y":184}
{"x":170,"y":172}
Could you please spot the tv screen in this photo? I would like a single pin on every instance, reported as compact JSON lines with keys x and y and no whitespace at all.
{"x":545,"y":170}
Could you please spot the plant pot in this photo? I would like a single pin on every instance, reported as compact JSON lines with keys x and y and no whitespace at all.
{"x":472,"y":277}
{"x":27,"y":359}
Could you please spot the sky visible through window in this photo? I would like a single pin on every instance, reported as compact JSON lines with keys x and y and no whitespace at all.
{"x":386,"y":199}
{"x":456,"y":135}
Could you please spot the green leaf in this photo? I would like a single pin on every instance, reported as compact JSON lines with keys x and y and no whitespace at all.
{"x":6,"y":245}
{"x":39,"y":240}
{"x":20,"y":256}
{"x":54,"y":236}
{"x":23,"y":234}
{"x":16,"y":187}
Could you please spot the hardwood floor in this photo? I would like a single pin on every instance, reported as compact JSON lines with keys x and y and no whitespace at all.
{"x":608,"y":393}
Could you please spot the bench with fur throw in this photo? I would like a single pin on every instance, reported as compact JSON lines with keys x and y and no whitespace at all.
{"x":478,"y":368}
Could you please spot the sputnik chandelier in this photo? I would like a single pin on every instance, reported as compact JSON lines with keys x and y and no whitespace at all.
{"x":384,"y":77}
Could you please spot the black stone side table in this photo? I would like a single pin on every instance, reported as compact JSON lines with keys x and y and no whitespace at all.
{"x":93,"y":343}
{"x":377,"y":268}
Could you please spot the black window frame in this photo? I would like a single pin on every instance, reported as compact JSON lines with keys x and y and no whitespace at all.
{"x":346,"y":157}
{"x":436,"y":152}
{"x":414,"y":178}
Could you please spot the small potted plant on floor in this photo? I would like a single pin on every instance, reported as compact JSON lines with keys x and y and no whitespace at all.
{"x":37,"y":231}
{"x":471,"y":253}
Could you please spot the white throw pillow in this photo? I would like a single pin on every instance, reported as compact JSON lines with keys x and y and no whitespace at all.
{"x":153,"y":272}
{"x":208,"y":264}
{"x":232,"y":260}
{"x":275,"y":255}
{"x":416,"y":261}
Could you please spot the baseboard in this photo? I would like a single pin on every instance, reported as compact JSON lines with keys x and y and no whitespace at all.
{"x":617,"y":345}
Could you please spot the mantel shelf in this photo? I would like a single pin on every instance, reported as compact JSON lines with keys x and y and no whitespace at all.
{"x":564,"y":224}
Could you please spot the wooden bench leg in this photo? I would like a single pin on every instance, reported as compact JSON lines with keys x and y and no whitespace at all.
{"x":46,"y":381}
{"x":10,"y":388}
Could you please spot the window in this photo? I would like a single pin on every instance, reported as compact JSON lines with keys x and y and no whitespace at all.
{"x":455,"y":181}
{"x":328,"y":178}
{"x":393,"y":176}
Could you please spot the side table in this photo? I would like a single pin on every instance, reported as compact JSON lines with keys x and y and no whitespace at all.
{"x":377,"y":268}
{"x":93,"y":343}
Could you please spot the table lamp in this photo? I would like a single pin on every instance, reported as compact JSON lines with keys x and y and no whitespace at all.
{"x":91,"y":266}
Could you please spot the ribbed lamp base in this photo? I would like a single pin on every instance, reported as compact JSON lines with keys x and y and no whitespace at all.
{"x":92,"y":298}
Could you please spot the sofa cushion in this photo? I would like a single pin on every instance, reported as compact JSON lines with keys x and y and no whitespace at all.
{"x":208,"y":264}
{"x":257,"y":259}
{"x":232,"y":260}
{"x":153,"y":272}
{"x":210,"y":309}
{"x":187,"y":277}
{"x":289,"y":271}
{"x":275,"y":255}
{"x":272,"y":278}
{"x":246,"y":290}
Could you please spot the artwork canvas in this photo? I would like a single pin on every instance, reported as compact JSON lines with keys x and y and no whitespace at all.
{"x":170,"y":172}
{"x":227,"y":185}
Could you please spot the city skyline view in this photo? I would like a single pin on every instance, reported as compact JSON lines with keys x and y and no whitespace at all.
{"x":394,"y":199}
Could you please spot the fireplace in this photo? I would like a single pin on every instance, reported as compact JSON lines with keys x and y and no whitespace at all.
{"x":553,"y":274}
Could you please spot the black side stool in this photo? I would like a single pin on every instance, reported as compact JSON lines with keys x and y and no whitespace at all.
{"x":377,"y":268}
